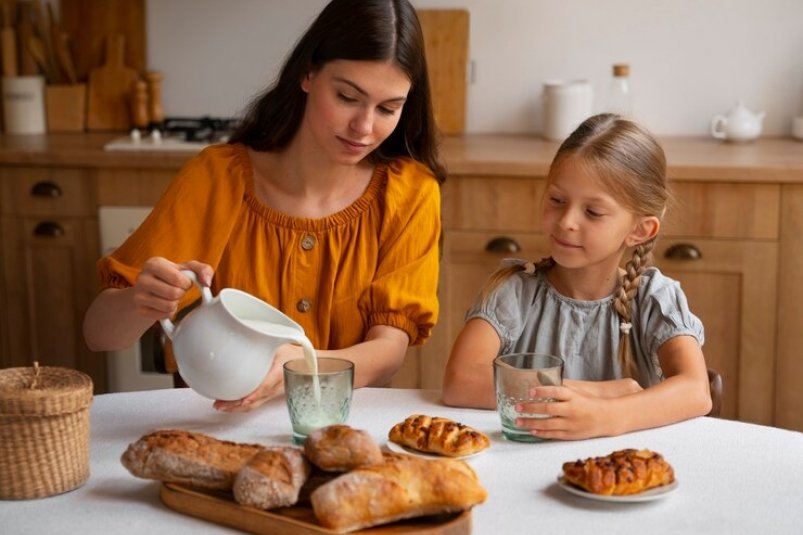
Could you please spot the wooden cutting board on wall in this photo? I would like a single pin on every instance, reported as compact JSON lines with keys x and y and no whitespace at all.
{"x":446,"y":38}
{"x":109,"y":89}
{"x":90,"y":22}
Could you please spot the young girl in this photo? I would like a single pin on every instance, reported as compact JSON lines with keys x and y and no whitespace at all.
{"x":632,"y":348}
{"x":325,"y":204}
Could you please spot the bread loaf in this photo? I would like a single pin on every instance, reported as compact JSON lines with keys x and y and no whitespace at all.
{"x":272,"y":478}
{"x":190,"y":458}
{"x":404,"y":488}
{"x":622,"y":472}
{"x":438,"y":435}
{"x":340,"y":448}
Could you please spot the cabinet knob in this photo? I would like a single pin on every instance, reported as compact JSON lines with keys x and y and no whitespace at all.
{"x":502,"y":244}
{"x":48,"y":229}
{"x":683,"y":251}
{"x":46,"y":189}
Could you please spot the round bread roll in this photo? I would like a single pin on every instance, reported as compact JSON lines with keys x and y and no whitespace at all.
{"x":340,"y":448}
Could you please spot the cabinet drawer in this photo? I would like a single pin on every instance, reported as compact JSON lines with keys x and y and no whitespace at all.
{"x":512,"y":204}
{"x":41,"y":191}
{"x":724,"y":210}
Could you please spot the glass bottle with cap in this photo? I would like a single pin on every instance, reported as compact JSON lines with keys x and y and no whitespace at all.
{"x":620,"y":94}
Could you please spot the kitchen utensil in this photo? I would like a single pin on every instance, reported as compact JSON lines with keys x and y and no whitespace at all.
{"x":66,"y":107}
{"x":156,"y":113}
{"x":110,"y":89}
{"x":65,"y":57}
{"x":27,"y":63}
{"x":446,"y":33}
{"x":37,"y":49}
{"x":8,"y":41}
{"x":224,"y":347}
{"x":739,"y":124}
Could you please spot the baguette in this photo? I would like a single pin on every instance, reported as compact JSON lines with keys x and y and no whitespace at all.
{"x":395,"y":490}
{"x":189,"y":458}
{"x":272,"y":478}
{"x":340,"y":448}
{"x":438,"y":435}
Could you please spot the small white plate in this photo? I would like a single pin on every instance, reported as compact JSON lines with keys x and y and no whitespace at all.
{"x":646,"y":496}
{"x":398,"y":448}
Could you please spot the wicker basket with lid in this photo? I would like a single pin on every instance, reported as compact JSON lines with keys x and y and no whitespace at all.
{"x":44,"y":431}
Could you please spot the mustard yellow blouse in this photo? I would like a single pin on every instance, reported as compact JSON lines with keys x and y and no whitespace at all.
{"x":373,"y":263}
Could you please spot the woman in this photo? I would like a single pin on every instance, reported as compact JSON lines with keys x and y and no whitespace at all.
{"x":325,"y":203}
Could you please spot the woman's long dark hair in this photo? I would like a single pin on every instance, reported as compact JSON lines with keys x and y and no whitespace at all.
{"x":371,"y":30}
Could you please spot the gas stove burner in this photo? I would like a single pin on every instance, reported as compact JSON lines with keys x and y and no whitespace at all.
{"x":199,"y":129}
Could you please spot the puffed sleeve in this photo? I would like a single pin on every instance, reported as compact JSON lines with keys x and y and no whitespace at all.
{"x":663,"y":312}
{"x":191,"y":221}
{"x":403,"y":293}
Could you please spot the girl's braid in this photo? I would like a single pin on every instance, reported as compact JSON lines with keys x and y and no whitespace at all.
{"x":642,"y":257}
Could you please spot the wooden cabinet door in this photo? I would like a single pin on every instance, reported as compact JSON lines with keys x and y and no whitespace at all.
{"x":731,"y":287}
{"x":49,"y":269}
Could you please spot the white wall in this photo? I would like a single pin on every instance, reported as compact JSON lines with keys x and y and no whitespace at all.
{"x":690,"y":59}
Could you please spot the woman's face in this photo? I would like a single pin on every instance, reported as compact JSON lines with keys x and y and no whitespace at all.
{"x":353,"y":106}
{"x":585,"y":224}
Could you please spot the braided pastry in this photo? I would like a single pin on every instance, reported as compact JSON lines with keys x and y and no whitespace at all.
{"x":622,"y":472}
{"x":438,"y":435}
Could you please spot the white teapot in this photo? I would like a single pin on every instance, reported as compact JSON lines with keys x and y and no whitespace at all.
{"x":739,"y":124}
{"x":225,"y":346}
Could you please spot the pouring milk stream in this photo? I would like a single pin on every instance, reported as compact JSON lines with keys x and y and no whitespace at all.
{"x":225,"y":346}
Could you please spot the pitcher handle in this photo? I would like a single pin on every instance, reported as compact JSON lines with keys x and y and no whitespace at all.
{"x":206,"y":296}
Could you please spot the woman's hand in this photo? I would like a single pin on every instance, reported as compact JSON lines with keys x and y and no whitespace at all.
{"x":574,"y":414}
{"x":161,"y":285}
{"x":271,"y":387}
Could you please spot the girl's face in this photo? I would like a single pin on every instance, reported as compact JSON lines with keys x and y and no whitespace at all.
{"x":353,"y":106}
{"x":585,"y":224}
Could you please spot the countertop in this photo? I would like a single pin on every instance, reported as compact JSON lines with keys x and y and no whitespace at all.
{"x":772,"y":160}
{"x":733,"y":477}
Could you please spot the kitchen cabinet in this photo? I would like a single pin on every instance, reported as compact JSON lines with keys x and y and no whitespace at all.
{"x":49,"y":245}
{"x":720,"y":242}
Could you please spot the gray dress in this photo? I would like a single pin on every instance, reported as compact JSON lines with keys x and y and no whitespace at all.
{"x":530,"y":315}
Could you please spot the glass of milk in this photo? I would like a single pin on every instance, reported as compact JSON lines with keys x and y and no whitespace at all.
{"x":317,"y":400}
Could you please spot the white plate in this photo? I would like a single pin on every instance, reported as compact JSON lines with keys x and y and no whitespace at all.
{"x":398,"y":448}
{"x":646,"y":496}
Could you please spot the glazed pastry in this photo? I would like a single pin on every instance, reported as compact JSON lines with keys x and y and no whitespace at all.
{"x":396,"y":489}
{"x":622,"y":472}
{"x":340,"y":448}
{"x":438,"y":435}
{"x":185,"y":457}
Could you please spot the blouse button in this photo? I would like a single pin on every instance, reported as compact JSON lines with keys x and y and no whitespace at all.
{"x":308,"y":242}
{"x":303,"y":305}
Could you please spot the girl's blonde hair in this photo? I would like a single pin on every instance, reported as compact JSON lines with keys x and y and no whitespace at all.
{"x":630,"y":163}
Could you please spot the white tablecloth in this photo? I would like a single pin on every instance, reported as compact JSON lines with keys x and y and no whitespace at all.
{"x":733,"y":477}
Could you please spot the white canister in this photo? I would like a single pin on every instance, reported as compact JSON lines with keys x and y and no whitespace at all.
{"x":24,"y":104}
{"x":567,"y":103}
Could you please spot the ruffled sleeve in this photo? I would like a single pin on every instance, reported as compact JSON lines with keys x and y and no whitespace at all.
{"x":403,"y":293}
{"x":191,"y":221}
{"x":663,"y":312}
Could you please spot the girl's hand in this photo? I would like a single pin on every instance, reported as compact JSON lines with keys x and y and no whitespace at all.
{"x":271,"y":387}
{"x":574,"y":414}
{"x":161,"y":285}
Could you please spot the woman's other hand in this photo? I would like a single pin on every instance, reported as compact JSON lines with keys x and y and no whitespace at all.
{"x":161,"y":285}
{"x":271,"y":387}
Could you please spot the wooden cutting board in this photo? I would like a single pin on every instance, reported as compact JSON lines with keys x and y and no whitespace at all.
{"x":446,"y":34}
{"x":220,"y":508}
{"x":109,"y":89}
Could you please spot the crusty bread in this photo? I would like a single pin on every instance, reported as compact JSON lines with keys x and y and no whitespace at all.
{"x":622,"y":472}
{"x":394,"y":490}
{"x":438,"y":435}
{"x":340,"y":448}
{"x":272,"y":478}
{"x":190,"y":458}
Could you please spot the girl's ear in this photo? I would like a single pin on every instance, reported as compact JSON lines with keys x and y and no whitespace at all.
{"x":646,"y":228}
{"x":305,"y":82}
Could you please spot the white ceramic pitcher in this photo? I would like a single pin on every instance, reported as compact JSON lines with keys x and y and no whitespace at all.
{"x":225,"y":346}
